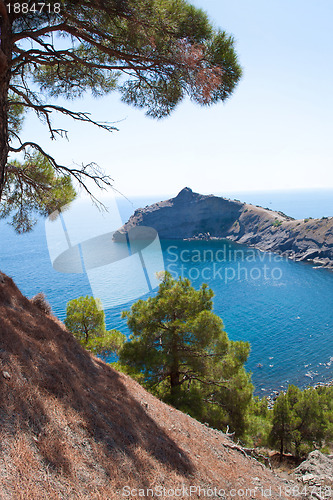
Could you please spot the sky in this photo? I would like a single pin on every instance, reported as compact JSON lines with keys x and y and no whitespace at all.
{"x":274,"y":133}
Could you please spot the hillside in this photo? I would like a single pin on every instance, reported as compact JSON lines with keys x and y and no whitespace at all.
{"x":72,"y":427}
{"x":192,"y":215}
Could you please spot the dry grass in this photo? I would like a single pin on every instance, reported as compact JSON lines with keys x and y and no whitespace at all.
{"x":74,"y":428}
{"x":41,"y":303}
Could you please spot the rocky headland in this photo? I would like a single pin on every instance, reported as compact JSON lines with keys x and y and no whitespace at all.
{"x":195,"y":216}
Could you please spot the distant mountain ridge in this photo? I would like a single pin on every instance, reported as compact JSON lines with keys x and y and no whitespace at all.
{"x":193,"y":215}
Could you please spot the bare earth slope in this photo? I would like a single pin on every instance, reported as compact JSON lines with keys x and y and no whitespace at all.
{"x":72,"y":427}
{"x":192,"y":215}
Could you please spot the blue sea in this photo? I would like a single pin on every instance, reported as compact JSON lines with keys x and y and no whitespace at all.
{"x":283,"y":308}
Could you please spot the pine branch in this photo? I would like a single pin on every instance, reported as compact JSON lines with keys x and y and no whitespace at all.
{"x":40,"y":32}
{"x":46,"y":110}
{"x":65,"y":58}
{"x":90,"y":171}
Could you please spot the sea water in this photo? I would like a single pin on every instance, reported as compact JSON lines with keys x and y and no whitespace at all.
{"x":283,"y":308}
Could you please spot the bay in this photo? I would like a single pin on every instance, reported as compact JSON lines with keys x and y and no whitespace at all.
{"x":283,"y":308}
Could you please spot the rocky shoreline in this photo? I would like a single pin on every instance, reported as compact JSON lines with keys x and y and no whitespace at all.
{"x":192,"y":216}
{"x":273,"y":395}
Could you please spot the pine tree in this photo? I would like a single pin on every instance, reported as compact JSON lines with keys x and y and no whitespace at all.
{"x":85,"y":318}
{"x":180,"y":347}
{"x":154,"y":52}
{"x":280,"y":434}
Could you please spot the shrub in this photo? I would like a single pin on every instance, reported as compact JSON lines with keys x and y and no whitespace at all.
{"x":40,"y":301}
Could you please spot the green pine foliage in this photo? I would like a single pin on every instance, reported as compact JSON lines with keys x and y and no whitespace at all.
{"x":155,"y":53}
{"x":33,"y":188}
{"x":85,"y":319}
{"x":167,"y":49}
{"x":180,"y":348}
{"x":180,"y":352}
{"x":302,"y":420}
{"x":281,"y":432}
{"x":259,"y":423}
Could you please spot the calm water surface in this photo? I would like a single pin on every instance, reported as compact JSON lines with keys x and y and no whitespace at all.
{"x":283,"y":308}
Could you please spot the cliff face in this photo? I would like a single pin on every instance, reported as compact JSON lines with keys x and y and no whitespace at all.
{"x":192,"y":215}
{"x":186,"y":215}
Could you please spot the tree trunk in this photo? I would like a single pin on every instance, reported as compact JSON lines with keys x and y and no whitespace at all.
{"x":281,"y":449}
{"x":174,"y":377}
{"x":174,"y":370}
{"x":5,"y":73}
{"x":297,"y":447}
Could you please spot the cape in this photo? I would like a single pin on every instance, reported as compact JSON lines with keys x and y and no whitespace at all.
{"x":195,"y":216}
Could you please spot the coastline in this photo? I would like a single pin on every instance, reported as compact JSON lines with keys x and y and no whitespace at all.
{"x":318,"y":263}
{"x":273,"y":395}
{"x":192,"y":216}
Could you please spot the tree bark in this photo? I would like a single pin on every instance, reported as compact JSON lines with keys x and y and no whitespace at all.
{"x":5,"y":74}
{"x":174,"y":371}
{"x":174,"y":376}
{"x":281,"y":449}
